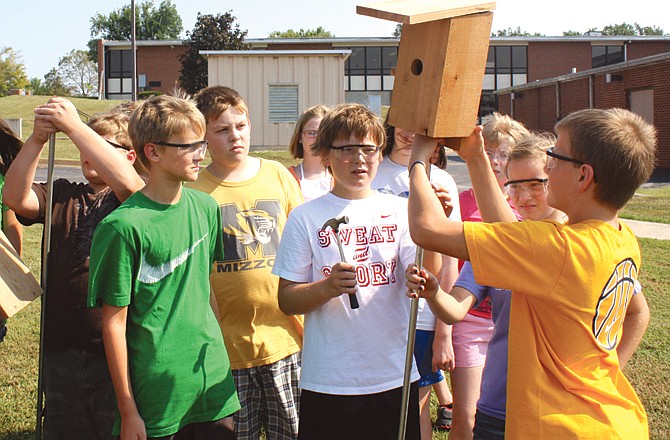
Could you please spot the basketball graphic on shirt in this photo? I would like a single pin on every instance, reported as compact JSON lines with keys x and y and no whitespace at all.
{"x":611,"y":309}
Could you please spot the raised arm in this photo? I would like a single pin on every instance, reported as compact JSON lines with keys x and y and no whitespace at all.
{"x":17,"y":192}
{"x":490,"y":200}
{"x":114,"y":337}
{"x":428,"y":225}
{"x":113,"y":168}
{"x":634,"y":325}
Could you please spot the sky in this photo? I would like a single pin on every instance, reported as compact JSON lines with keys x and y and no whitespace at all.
{"x":44,"y":31}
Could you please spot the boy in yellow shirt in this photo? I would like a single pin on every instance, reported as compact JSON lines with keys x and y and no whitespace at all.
{"x":570,"y":299}
{"x":255,"y":197}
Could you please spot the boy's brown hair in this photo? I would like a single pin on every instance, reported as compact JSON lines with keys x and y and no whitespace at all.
{"x":533,"y":147}
{"x":618,"y":144}
{"x":295,"y":147}
{"x":160,"y":117}
{"x":112,"y":123}
{"x":499,"y":128}
{"x":212,"y":101}
{"x":344,"y":120}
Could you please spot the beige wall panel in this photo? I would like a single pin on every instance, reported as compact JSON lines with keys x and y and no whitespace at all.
{"x":320,"y":80}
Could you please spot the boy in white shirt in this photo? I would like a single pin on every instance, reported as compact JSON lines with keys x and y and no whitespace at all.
{"x":353,"y":359}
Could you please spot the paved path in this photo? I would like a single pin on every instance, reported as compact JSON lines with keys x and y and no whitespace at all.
{"x":659,"y":231}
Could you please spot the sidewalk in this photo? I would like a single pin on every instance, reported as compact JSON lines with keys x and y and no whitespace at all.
{"x":660,"y":231}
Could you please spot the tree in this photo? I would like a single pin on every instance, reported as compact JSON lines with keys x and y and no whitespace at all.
{"x":211,"y":32}
{"x":36,"y":86}
{"x":398,"y":30}
{"x":619,"y":29}
{"x":319,"y":32}
{"x":631,"y":29}
{"x":53,"y":84}
{"x":572,"y":33}
{"x":509,"y":32}
{"x":12,"y":71}
{"x":78,"y":73}
{"x":163,"y":23}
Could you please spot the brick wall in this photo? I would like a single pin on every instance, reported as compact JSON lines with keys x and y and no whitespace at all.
{"x":160,"y":64}
{"x":536,"y":107}
{"x":551,"y":59}
{"x":640,"y":49}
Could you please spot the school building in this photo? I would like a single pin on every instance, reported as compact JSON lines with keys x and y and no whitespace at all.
{"x":281,"y":77}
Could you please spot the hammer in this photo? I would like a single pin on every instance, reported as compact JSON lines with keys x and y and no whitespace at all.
{"x":334,"y":224}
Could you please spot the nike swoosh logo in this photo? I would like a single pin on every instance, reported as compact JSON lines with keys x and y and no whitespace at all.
{"x":387,"y":215}
{"x":150,"y":274}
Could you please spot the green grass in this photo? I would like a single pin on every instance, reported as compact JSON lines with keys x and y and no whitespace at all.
{"x":12,"y":107}
{"x":19,"y":356}
{"x":649,"y":204}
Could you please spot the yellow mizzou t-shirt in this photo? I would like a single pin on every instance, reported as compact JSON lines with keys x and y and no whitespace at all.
{"x":254,"y":211}
{"x":571,"y":286}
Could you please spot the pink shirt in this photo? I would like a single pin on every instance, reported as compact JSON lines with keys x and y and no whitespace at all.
{"x":470,"y":212}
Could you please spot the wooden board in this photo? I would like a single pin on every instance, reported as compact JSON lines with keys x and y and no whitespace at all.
{"x":413,"y":11}
{"x":442,"y":99}
{"x":18,"y":286}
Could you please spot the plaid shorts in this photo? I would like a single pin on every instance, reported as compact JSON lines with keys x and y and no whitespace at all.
{"x":269,"y":396}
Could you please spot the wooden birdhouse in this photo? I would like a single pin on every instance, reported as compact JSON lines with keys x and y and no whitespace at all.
{"x":18,"y":287}
{"x":441,"y":62}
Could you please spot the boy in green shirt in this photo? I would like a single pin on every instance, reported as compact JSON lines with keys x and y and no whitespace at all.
{"x":150,"y":263}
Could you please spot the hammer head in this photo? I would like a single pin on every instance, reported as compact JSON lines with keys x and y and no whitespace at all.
{"x":334,"y":223}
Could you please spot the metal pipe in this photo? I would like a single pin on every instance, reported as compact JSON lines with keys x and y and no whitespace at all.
{"x":411,"y":336}
{"x":133,"y":48}
{"x":46,"y":247}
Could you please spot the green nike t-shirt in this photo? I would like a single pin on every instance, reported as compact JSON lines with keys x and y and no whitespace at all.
{"x":156,"y":259}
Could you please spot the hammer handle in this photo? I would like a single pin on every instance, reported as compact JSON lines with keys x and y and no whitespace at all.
{"x":353,"y":301}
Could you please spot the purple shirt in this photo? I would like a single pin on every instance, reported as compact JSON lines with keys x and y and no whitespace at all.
{"x":493,"y":396}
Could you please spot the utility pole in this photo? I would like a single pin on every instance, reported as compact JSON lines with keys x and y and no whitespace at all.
{"x":133,"y":49}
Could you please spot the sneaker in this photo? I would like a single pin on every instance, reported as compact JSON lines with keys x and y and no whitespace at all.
{"x":444,"y":415}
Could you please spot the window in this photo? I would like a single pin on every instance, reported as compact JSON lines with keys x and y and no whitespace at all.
{"x":503,"y":59}
{"x":373,"y":60}
{"x":369,"y":68}
{"x":505,"y":66}
{"x":389,"y":59}
{"x":283,"y":103}
{"x":119,"y":66}
{"x":606,"y":55}
{"x":519,"y":59}
{"x":120,"y":63}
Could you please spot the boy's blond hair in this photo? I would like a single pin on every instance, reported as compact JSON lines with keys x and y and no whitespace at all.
{"x":295,"y":147}
{"x":499,"y":128}
{"x":160,"y":117}
{"x":343,"y":121}
{"x":533,"y":147}
{"x":212,"y":101}
{"x":113,"y":123}
{"x":620,"y":147}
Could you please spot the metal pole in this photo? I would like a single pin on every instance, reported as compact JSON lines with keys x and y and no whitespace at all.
{"x":45,"y":259}
{"x":409,"y":353}
{"x":133,"y":48}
